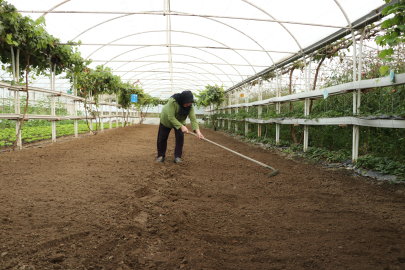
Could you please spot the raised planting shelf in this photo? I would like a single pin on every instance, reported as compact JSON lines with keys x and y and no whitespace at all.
{"x":334,"y":90}
{"x":339,"y":121}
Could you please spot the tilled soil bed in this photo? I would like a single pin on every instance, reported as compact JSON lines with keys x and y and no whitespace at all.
{"x":102,"y":202}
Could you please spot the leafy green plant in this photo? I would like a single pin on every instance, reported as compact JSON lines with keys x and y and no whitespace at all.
{"x":381,"y":164}
{"x":211,"y":96}
{"x":395,"y":31}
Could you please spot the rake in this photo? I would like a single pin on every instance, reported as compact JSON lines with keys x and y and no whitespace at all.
{"x":274,"y":173}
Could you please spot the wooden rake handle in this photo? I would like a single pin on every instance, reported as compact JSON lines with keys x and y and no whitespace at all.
{"x":236,"y":153}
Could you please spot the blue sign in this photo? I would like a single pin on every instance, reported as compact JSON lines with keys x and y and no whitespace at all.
{"x":325,"y":94}
{"x":134,"y":98}
{"x":392,"y":76}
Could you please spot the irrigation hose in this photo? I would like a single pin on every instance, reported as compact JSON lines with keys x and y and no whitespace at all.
{"x":274,"y":173}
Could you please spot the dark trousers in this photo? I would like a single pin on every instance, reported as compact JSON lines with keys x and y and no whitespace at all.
{"x":163,"y":135}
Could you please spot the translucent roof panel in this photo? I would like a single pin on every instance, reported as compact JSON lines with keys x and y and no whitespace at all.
{"x":183,"y":44}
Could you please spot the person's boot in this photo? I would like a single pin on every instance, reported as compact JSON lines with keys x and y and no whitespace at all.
{"x":161,"y":159}
{"x":177,"y":160}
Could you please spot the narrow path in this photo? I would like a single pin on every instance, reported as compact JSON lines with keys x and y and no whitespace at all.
{"x":102,"y":202}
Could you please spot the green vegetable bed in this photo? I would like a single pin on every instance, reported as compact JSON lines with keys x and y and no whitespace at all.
{"x":31,"y":134}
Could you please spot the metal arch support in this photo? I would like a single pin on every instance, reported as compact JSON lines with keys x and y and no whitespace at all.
{"x":175,"y":31}
{"x":185,"y":84}
{"x":165,"y":68}
{"x":237,"y":31}
{"x":194,"y":87}
{"x":192,"y":57}
{"x":177,"y":76}
{"x":281,"y":24}
{"x":179,"y":14}
{"x":157,"y":89}
{"x":182,"y":64}
{"x":166,"y":83}
{"x":344,"y":13}
{"x":58,"y":5}
{"x":198,"y":79}
{"x":175,"y":72}
{"x":193,"y":48}
{"x":187,"y":56}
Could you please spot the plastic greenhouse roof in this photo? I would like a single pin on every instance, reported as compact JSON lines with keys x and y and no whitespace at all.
{"x":183,"y":44}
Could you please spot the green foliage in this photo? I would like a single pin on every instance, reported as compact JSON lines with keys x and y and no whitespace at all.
{"x":381,"y":164}
{"x":44,"y":132}
{"x":125,"y":92}
{"x":330,"y":156}
{"x":212,"y":95}
{"x":395,"y":28}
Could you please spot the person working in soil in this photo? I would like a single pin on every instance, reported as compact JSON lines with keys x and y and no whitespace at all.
{"x":174,"y":115}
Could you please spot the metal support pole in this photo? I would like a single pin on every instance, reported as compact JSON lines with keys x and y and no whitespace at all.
{"x":236,"y":110}
{"x":102,"y":117}
{"x":356,"y":129}
{"x":229,"y":110}
{"x":247,"y":109}
{"x":53,"y":122}
{"x":307,"y":103}
{"x":75,"y":107}
{"x":259,"y":111}
{"x":110,"y":115}
{"x":278,"y":107}
{"x":53,"y":86}
{"x":17,"y":110}
{"x":306,"y":127}
{"x":116,"y":116}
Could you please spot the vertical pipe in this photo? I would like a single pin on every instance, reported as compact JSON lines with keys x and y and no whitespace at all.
{"x":247,"y":109}
{"x":236,"y":110}
{"x":110,"y":114}
{"x":18,"y":113}
{"x":278,"y":108}
{"x":360,"y":67}
{"x":16,"y":99}
{"x":53,"y":87}
{"x":18,"y":66}
{"x":75,"y":106}
{"x":229,"y":110}
{"x":355,"y":137}
{"x":116,"y":110}
{"x":102,"y":117}
{"x":13,"y":63}
{"x":53,"y":121}
{"x":259,"y":111}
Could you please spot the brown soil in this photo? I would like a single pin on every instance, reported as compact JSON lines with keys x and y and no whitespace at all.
{"x":102,"y":202}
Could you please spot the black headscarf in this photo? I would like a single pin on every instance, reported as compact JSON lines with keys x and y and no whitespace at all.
{"x":183,"y":98}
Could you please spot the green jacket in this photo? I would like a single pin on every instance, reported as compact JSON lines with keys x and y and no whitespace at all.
{"x":170,"y":117}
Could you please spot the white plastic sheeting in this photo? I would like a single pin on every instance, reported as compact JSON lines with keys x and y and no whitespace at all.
{"x":171,"y":45}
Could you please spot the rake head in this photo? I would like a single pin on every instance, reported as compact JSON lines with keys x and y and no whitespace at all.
{"x":274,"y":173}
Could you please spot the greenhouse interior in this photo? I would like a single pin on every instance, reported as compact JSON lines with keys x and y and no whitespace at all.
{"x":302,"y":107}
